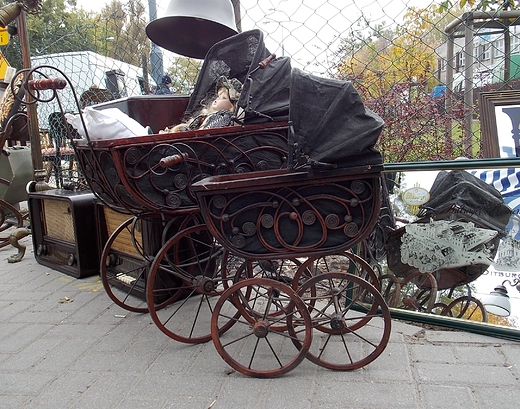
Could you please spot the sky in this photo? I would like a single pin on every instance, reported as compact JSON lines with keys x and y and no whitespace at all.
{"x":308,"y":31}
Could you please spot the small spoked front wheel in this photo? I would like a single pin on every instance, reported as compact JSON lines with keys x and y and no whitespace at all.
{"x":351,"y":320}
{"x":254,"y":345}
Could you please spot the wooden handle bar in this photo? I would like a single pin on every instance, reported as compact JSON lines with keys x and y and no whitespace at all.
{"x":173,"y":160}
{"x":265,"y":63}
{"x":47,"y":83}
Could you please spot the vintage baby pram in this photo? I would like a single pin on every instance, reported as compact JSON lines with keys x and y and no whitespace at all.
{"x":250,"y":231}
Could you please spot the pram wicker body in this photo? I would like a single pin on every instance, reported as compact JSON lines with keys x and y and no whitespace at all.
{"x":290,"y":214}
{"x":153,"y":174}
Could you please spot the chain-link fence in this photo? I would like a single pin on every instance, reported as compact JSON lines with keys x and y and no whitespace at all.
{"x":420,"y":64}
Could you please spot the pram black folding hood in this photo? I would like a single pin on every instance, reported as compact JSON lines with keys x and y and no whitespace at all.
{"x":265,"y":93}
{"x":331,"y":124}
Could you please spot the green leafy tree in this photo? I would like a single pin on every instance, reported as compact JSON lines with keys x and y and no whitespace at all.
{"x":58,"y":27}
{"x":117,"y":31}
{"x":394,"y":71}
{"x":121,"y":34}
{"x":184,"y":74}
{"x":389,"y":56}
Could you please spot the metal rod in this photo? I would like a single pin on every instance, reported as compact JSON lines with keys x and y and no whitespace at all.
{"x":238,"y":17}
{"x":487,"y":163}
{"x":480,"y":15}
{"x":34,"y":129}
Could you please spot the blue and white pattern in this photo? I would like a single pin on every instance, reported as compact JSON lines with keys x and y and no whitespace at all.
{"x":507,"y":182}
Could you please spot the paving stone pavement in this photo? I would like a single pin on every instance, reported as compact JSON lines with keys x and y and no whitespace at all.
{"x":64,"y":344}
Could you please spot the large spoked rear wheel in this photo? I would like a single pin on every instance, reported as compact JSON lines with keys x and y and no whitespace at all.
{"x":281,"y":270}
{"x":187,"y":273}
{"x":124,"y":267}
{"x":342,"y":262}
{"x":251,"y":346}
{"x":351,"y":320}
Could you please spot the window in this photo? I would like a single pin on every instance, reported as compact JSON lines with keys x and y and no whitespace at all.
{"x":498,"y":48}
{"x":481,"y":52}
{"x":441,"y":63}
{"x":459,"y":61}
{"x":515,"y":43}
{"x":484,"y":52}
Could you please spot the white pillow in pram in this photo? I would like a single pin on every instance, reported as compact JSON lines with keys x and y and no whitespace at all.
{"x":110,"y":123}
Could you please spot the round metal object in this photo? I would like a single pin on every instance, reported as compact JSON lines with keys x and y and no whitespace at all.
{"x":180,"y":181}
{"x":332,"y":221}
{"x":352,"y":317}
{"x":219,"y":201}
{"x":308,"y":217}
{"x":173,"y":200}
{"x":249,"y":229}
{"x":263,"y":352}
{"x":132,"y":156}
{"x":351,"y":230}
{"x":267,"y":221}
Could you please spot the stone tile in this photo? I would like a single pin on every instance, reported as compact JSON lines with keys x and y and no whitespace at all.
{"x":26,"y":359}
{"x":432,"y":353}
{"x":64,"y":391}
{"x":437,"y":396}
{"x":365,"y":395}
{"x":20,"y":383}
{"x":449,"y":374}
{"x":20,"y":339}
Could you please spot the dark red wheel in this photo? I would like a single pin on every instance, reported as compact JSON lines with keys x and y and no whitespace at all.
{"x":343,"y":262}
{"x":187,"y":273}
{"x":282,"y":270}
{"x":352,"y":319}
{"x":124,"y":267}
{"x":418,"y":292}
{"x":251,"y":346}
{"x":390,"y":289}
{"x":466,"y":307}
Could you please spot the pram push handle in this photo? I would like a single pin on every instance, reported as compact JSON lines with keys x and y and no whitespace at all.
{"x":47,"y":83}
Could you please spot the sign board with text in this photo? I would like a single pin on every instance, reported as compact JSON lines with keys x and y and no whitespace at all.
{"x":4,"y":36}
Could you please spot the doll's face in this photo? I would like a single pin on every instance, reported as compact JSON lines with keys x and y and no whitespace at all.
{"x":222,"y":101}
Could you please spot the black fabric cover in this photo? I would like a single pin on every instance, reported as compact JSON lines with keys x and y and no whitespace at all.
{"x":265,"y":95}
{"x":331,"y":124}
{"x":461,"y":190}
